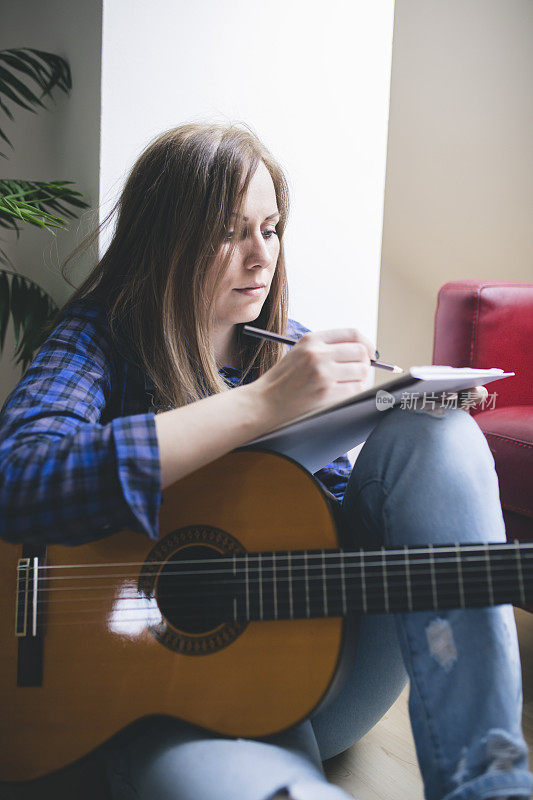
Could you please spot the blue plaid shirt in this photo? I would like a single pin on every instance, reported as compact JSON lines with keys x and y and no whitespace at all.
{"x":78,"y":448}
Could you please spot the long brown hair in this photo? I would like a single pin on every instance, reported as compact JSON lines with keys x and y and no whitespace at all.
{"x":172,"y":217}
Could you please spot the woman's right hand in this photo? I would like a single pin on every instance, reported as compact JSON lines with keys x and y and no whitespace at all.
{"x":322,"y":368}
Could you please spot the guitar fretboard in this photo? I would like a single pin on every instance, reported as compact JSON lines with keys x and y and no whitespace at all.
{"x":328,"y":583}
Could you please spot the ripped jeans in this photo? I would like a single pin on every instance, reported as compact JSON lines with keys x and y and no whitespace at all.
{"x":421,"y":478}
{"x":418,"y":479}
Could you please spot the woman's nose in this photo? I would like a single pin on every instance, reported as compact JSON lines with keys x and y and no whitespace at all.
{"x":258,"y":252}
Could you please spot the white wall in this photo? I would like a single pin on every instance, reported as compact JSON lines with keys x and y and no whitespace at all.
{"x":59,"y":144}
{"x":458,"y":201}
{"x":312,"y":79}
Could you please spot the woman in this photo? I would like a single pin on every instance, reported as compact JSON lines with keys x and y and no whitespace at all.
{"x":157,"y":326}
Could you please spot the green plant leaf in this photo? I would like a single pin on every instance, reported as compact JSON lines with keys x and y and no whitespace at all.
{"x":18,"y":298}
{"x":23,"y":62}
{"x":30,"y":308}
{"x":18,"y":66}
{"x":6,"y":110}
{"x":35,"y":313}
{"x":31,"y":202}
{"x":55,"y":67}
{"x":4,"y":258}
{"x":4,"y":137}
{"x":41,"y":309}
{"x":4,"y":307}
{"x":18,"y":91}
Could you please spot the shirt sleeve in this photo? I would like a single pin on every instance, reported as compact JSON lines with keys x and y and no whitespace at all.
{"x":65,"y":477}
{"x":335,"y":475}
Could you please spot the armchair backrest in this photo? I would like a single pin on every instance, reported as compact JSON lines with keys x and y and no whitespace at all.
{"x":488,"y":324}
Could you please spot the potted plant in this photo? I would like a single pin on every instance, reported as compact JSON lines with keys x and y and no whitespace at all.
{"x":23,"y":72}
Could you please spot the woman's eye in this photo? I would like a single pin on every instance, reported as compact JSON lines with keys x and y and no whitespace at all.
{"x":268,"y":234}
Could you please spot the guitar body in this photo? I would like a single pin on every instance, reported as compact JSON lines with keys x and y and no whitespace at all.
{"x":108,"y":659}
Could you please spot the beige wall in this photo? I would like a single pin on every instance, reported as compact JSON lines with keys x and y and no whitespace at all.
{"x":459,"y":185}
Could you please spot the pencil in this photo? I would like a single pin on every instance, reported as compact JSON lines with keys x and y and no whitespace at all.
{"x":276,"y":337}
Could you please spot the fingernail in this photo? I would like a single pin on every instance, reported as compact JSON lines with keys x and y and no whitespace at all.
{"x":377,"y":355}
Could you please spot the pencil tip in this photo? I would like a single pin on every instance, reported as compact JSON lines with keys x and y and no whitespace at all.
{"x":398,"y":369}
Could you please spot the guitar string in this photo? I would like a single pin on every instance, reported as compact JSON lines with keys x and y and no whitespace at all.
{"x":372,"y":600}
{"x":467,"y":555}
{"x":507,"y":559}
{"x":214,"y":631}
{"x":445,"y":602}
{"x":476,"y":588}
{"x":377,"y":588}
{"x":417,"y":569}
{"x":394,"y":582}
{"x":286,"y":572}
{"x":511,"y":547}
{"x":374,"y":603}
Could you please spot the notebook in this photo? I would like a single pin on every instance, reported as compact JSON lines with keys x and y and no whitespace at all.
{"x":318,"y":437}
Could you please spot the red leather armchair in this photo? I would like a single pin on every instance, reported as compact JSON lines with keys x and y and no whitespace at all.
{"x":490,"y":324}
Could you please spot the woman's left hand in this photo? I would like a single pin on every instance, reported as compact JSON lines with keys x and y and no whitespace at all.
{"x":472,"y":397}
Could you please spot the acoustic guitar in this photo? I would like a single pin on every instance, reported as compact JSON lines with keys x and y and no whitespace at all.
{"x":241,"y":618}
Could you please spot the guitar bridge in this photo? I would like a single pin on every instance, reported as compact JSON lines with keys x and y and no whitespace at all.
{"x":29,"y":617}
{"x":27,"y":584}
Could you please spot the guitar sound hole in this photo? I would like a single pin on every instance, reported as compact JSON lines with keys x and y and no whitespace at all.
{"x":196,"y":597}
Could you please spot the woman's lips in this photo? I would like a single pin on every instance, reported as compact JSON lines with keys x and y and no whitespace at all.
{"x":251,"y":292}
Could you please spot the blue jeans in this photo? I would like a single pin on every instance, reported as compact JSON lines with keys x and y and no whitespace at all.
{"x":422,"y":478}
{"x":418,"y":479}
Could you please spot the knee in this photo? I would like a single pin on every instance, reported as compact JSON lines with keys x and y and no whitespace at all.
{"x":426,"y":477}
{"x":451,"y":443}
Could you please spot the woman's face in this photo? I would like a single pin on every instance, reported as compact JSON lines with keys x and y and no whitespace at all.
{"x":255,"y":256}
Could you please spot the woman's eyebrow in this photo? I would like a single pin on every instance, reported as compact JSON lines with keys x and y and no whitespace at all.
{"x":271,"y":216}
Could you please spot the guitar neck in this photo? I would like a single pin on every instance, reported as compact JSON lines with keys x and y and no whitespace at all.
{"x":327,"y":583}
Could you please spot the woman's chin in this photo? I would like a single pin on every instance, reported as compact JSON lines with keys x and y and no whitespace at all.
{"x":248,"y":314}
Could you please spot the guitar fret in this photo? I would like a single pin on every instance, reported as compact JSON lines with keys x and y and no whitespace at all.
{"x":408,"y":576}
{"x":343,"y":585}
{"x":489,"y":576}
{"x":385,"y":584}
{"x":306,"y":585}
{"x":275,"y":586}
{"x":320,"y":583}
{"x":260,"y":586}
{"x":247,"y":586}
{"x":324,"y":585}
{"x":363,"y":581}
{"x":433,"y":578}
{"x":234,"y":597}
{"x":34,"y":598}
{"x":520,"y":575}
{"x":291,"y":607}
{"x":460,"y":575}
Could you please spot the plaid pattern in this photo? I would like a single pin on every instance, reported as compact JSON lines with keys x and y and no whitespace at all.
{"x":78,"y":445}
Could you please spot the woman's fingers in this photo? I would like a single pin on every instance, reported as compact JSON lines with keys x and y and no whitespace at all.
{"x":323,"y":367}
{"x":350,"y":351}
{"x":343,"y":339}
{"x":472,"y":397}
{"x":354,"y":371}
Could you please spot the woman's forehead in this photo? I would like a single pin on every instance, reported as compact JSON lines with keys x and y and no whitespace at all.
{"x":260,"y":198}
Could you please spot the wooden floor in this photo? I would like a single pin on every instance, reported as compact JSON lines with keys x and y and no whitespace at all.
{"x":383,"y":766}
